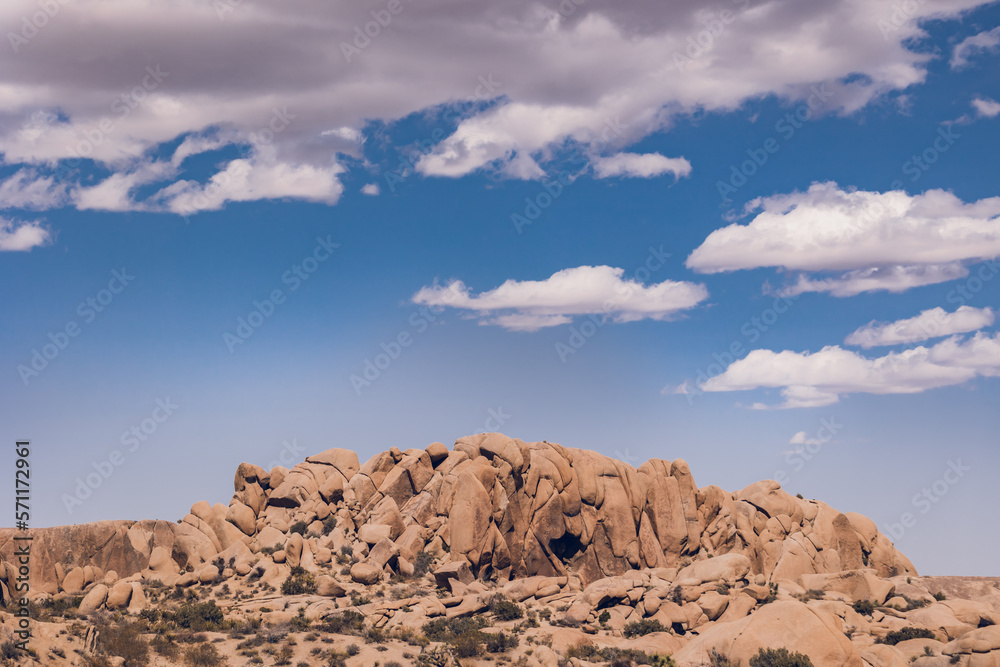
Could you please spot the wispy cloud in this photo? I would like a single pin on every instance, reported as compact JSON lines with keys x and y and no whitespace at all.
{"x":933,"y":323}
{"x":635,"y":165}
{"x":585,"y":290}
{"x":970,"y":47}
{"x":16,"y":235}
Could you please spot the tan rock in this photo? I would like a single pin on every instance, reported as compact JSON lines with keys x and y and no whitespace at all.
{"x":242,"y":517}
{"x":438,"y":452}
{"x":93,"y":600}
{"x":119,"y":595}
{"x":366,"y":573}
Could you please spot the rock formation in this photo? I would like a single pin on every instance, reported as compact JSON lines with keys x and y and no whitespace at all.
{"x":602,"y":542}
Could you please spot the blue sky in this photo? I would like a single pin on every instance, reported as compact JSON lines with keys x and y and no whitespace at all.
{"x":555,"y":241}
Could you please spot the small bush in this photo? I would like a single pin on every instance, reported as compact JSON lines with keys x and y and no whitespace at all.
{"x":604,"y":617}
{"x":346,"y":623}
{"x":422,"y":564}
{"x":716,"y":659}
{"x":203,"y":655}
{"x":779,"y":657}
{"x":197,"y":616}
{"x":903,"y":634}
{"x":165,"y":646}
{"x":864,"y":607}
{"x":505,"y":610}
{"x":643,"y":627}
{"x":125,"y":641}
{"x":298,"y":527}
{"x":299,"y":582}
{"x":939,"y":596}
{"x":499,"y":642}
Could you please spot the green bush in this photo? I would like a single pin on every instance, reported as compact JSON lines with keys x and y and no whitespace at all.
{"x":125,"y":641}
{"x":464,"y":635}
{"x":864,"y":607}
{"x":903,"y":634}
{"x":299,"y":582}
{"x":939,"y":596}
{"x":298,"y":527}
{"x":203,"y":655}
{"x":197,"y":616}
{"x":618,"y":656}
{"x":441,"y":629}
{"x":779,"y":657}
{"x":643,"y":627}
{"x":505,"y":610}
{"x":345,"y":623}
{"x":499,"y":642}
{"x":716,"y":659}
{"x":422,"y":564}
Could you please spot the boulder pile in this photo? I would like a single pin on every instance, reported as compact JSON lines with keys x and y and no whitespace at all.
{"x":598,"y":543}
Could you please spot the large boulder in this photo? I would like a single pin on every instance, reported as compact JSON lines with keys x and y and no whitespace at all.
{"x":789,"y":624}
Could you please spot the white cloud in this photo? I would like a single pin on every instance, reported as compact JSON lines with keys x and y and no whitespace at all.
{"x":933,"y":323}
{"x":880,"y":241}
{"x":982,"y":42}
{"x":370,"y":189}
{"x":260,"y":176}
{"x":16,"y":235}
{"x":637,"y":165}
{"x":821,"y":378}
{"x":600,"y":78}
{"x":585,"y":290}
{"x":114,"y":192}
{"x":802,"y":438}
{"x":26,"y":189}
{"x":986,"y":107}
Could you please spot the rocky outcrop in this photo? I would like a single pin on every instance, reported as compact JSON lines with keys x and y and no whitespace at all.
{"x":504,"y":508}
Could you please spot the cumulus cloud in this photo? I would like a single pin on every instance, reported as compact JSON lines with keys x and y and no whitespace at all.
{"x":876,"y":241}
{"x":261,"y":176}
{"x":16,"y":235}
{"x":969,"y":47}
{"x":585,"y":290}
{"x":26,"y":189}
{"x":933,"y":323}
{"x":821,"y":378}
{"x":986,"y":107}
{"x":635,"y":165}
{"x":622,"y":71}
{"x":370,"y":189}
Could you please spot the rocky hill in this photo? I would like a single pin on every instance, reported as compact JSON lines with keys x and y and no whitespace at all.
{"x":568,"y":556}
